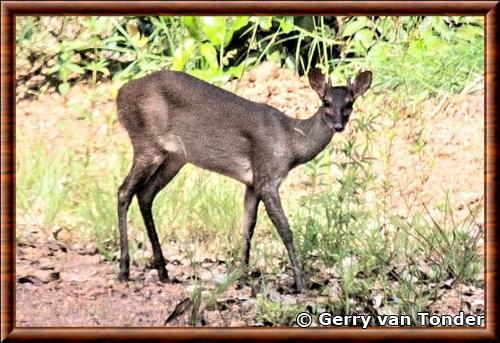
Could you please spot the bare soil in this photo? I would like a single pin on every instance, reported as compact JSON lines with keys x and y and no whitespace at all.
{"x":58,"y":285}
{"x":63,"y":283}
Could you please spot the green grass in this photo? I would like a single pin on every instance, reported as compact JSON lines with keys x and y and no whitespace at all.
{"x":44,"y":184}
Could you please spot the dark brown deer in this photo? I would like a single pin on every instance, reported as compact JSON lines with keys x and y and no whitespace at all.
{"x":173,"y":118}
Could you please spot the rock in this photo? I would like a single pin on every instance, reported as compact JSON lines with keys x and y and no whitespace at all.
{"x":91,"y":248}
{"x":468,"y":291}
{"x":377,"y":299}
{"x":151,"y":276}
{"x":55,"y":247}
{"x":28,"y":279}
{"x":348,"y":262}
{"x":248,"y":306}
{"x":288,"y":299}
{"x":448,"y":284}
{"x":39,"y":276}
{"x":62,"y":234}
{"x":273,"y":295}
{"x":73,"y":277}
{"x":46,"y":276}
{"x":477,"y":306}
{"x":46,"y":264}
{"x":219,"y":279}
{"x":335,"y":291}
{"x":238,"y":323}
{"x":205,"y":275}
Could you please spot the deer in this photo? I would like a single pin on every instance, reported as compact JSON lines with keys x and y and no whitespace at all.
{"x":173,"y":118}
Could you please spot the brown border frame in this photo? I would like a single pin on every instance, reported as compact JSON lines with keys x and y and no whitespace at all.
{"x":10,"y":9}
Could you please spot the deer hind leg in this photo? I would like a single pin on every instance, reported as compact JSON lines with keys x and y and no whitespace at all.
{"x":145,"y":196}
{"x":249,"y":220}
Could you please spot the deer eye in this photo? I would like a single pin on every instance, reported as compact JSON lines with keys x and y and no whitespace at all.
{"x":347,"y":110}
{"x":327,"y":103}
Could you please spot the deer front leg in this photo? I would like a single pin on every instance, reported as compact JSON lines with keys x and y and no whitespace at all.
{"x":249,"y":220}
{"x":270,"y":197}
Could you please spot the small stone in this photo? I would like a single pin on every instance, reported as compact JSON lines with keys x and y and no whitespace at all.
{"x":288,"y":299}
{"x":205,"y":275}
{"x":151,"y":276}
{"x":219,"y":279}
{"x":477,"y":306}
{"x":238,"y":323}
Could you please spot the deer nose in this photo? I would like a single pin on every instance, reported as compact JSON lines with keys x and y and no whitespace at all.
{"x":338,"y":127}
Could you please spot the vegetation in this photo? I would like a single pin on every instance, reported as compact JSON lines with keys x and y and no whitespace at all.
{"x":338,"y":208}
{"x":67,"y":49}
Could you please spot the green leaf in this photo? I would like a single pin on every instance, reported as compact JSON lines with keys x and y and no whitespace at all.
{"x":191,"y":24}
{"x":353,"y":26}
{"x":365,"y":37}
{"x":74,"y":68}
{"x":425,"y":25}
{"x":380,"y":52}
{"x":239,"y":22}
{"x":54,"y":68}
{"x":215,"y":29}
{"x":99,"y":25}
{"x":210,"y":75}
{"x":275,"y":56}
{"x":69,"y":46}
{"x":140,"y":42}
{"x":439,"y":25}
{"x":208,"y":51}
{"x":286,"y":24}
{"x":237,"y":71}
{"x":103,"y":70}
{"x":386,"y":27}
{"x":63,"y":88}
{"x":182,"y":54}
{"x":265,"y":23}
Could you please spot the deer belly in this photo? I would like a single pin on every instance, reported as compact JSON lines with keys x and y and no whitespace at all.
{"x":238,"y":168}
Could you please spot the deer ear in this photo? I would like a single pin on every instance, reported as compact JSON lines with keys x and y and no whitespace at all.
{"x":361,"y":84}
{"x":317,"y":81}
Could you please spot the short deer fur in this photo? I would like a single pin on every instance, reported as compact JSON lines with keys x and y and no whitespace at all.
{"x":173,"y":118}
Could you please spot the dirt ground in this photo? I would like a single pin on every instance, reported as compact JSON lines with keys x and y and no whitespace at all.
{"x":62,"y":286}
{"x":62,"y":283}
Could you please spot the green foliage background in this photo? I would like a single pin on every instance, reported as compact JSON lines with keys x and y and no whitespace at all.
{"x":398,"y":49}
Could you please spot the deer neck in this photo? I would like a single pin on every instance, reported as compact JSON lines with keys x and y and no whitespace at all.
{"x":310,"y":137}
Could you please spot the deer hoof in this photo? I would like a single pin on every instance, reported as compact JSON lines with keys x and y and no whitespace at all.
{"x":123,"y":276}
{"x":163,"y":275}
{"x":300,"y":285}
